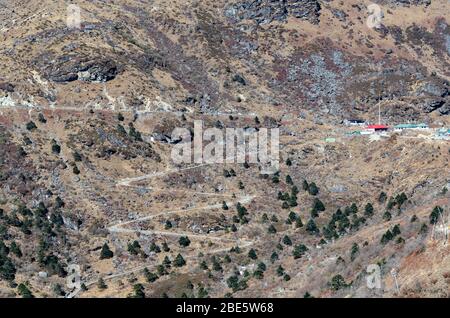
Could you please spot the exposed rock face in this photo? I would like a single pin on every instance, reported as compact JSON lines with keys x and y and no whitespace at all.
{"x":71,"y":68}
{"x":267,"y":11}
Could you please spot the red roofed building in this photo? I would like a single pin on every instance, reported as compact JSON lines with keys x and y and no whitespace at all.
{"x":377,"y":127}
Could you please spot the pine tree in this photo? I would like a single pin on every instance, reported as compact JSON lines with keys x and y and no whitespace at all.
{"x":298,"y":223}
{"x":280,"y":271}
{"x":184,"y":241}
{"x":289,"y":180}
{"x":311,"y":227}
{"x":274,"y":257}
{"x":224,"y":206}
{"x":313,"y":189}
{"x":252,"y":254}
{"x":338,"y":282}
{"x":31,"y":126}
{"x":272,"y":229}
{"x":435,"y":214}
{"x":368,"y":210}
{"x":387,"y":216}
{"x":354,"y":251}
{"x":287,"y":240}
{"x":299,"y":251}
{"x":23,"y":291}
{"x":139,"y":291}
{"x":106,"y":253}
{"x":101,"y":284}
{"x":149,"y":276}
{"x":305,"y":185}
{"x":179,"y":261}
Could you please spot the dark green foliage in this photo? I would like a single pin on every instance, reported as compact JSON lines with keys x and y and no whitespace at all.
{"x":168,"y":225}
{"x":203,"y":265}
{"x":149,"y":276}
{"x":56,"y":149}
{"x":311,"y":227}
{"x":287,"y":240}
{"x":133,"y":133}
{"x":387,"y":216}
{"x":41,"y":118}
{"x":280,"y":271}
{"x":313,"y":189}
{"x":121,"y":130}
{"x":354,"y":251}
{"x":134,"y":248}
{"x":120,"y":117}
{"x":184,"y":241}
{"x":338,"y":282}
{"x":77,"y":157}
{"x":299,"y":251}
{"x":274,"y":257}
{"x":272,"y":229}
{"x":236,"y":285}
{"x":252,"y":254}
{"x":382,"y":197}
{"x":289,"y":180}
{"x":179,"y":261}
{"x":423,"y":229}
{"x":216,"y":266}
{"x":368,"y":210}
{"x":436,"y":214}
{"x":31,"y":126}
{"x":262,"y":266}
{"x":24,"y":291}
{"x":224,"y":206}
{"x":139,"y":291}
{"x":305,"y":185}
{"x":298,"y":223}
{"x":288,"y":162}
{"x":387,"y":237}
{"x":15,"y":249}
{"x":258,"y":274}
{"x":165,"y":247}
{"x":155,"y":248}
{"x":241,"y":185}
{"x":101,"y":284}
{"x":106,"y":253}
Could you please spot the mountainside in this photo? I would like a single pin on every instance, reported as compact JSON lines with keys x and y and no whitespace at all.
{"x":87,"y":176}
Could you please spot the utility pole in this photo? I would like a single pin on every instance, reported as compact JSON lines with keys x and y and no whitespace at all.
{"x":379,"y":114}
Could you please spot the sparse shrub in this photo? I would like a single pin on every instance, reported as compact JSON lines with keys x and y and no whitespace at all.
{"x":101,"y":284}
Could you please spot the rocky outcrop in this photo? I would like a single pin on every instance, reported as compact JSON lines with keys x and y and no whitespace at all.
{"x":70,"y":68}
{"x":267,"y":11}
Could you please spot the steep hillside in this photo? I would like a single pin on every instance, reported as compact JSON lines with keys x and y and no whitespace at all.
{"x":87,"y":177}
